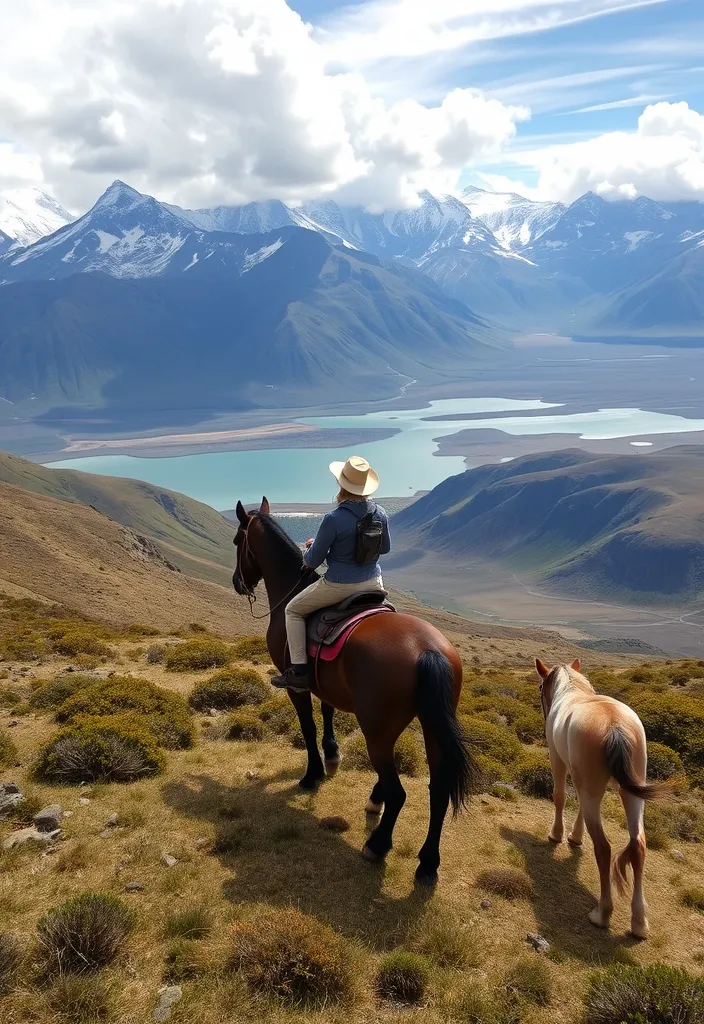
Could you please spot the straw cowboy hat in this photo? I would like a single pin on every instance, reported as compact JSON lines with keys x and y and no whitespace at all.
{"x":355,"y":475}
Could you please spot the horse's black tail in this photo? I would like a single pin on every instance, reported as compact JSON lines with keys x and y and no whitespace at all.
{"x":458,"y":769}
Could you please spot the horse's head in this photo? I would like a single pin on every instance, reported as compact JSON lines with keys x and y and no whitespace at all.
{"x":247,"y":572}
{"x":549,"y":679}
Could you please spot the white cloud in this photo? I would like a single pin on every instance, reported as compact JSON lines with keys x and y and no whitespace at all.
{"x":663,"y":159}
{"x":205,"y":101}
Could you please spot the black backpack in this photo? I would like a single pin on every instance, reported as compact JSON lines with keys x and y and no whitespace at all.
{"x":370,"y":537}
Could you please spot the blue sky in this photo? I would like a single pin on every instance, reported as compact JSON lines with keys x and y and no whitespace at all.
{"x":580,"y":80}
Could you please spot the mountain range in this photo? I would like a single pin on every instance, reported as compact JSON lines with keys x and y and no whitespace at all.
{"x":623,"y":528}
{"x":139,"y":304}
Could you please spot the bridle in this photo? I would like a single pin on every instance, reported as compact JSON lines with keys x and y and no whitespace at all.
{"x":249,"y":592}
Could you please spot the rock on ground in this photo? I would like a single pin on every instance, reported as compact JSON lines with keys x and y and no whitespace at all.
{"x":29,"y":835}
{"x":49,"y":818}
{"x":168,"y":997}
{"x":10,"y":797}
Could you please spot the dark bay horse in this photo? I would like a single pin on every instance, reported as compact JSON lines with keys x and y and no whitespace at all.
{"x":393,"y":668}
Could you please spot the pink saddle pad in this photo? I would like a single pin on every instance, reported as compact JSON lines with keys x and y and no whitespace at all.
{"x":328,"y":652}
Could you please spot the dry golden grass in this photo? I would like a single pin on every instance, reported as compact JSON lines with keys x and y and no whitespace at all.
{"x":247,"y":842}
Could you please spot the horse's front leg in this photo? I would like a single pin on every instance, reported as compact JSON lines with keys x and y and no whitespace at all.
{"x":315,"y":772}
{"x":330,"y":745}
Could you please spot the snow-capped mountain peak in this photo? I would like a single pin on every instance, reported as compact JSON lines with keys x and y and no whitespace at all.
{"x":514,"y":220}
{"x":27,"y":214}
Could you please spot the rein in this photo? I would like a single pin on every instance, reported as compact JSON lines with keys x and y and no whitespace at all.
{"x":250,"y":593}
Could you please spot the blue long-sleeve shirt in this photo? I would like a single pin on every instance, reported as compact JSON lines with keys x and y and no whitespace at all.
{"x":336,"y":541}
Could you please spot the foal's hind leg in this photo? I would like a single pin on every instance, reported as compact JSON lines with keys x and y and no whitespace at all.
{"x":591,"y":809}
{"x":635,"y":855}
{"x":559,"y":790}
{"x":381,"y":754}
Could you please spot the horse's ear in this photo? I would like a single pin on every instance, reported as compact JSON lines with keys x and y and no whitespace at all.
{"x":264,"y":507}
{"x":543,"y":670}
{"x":241,"y":514}
{"x":577,"y":665}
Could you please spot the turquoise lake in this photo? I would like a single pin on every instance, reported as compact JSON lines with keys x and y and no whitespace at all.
{"x":405,"y":462}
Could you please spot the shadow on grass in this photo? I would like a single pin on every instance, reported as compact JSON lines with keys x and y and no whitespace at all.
{"x":270,"y":841}
{"x":561,"y":902}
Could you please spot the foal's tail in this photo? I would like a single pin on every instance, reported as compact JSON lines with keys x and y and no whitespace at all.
{"x":458,"y":769}
{"x":619,"y":757}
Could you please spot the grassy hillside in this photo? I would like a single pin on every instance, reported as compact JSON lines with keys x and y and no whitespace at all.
{"x":630,"y":527}
{"x":196,"y":538}
{"x":200,"y":866}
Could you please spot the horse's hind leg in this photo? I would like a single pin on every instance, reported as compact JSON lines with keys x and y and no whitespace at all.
{"x":315,"y":771}
{"x":429,"y":855}
{"x":634,"y":854}
{"x":375,"y":803}
{"x":381,"y":754}
{"x":591,"y":809}
{"x":559,"y":791}
{"x":330,"y":745}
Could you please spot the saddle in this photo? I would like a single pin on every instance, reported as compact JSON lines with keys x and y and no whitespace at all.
{"x":328,"y":630}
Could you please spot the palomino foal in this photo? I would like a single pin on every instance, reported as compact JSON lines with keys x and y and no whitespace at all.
{"x":596,"y":739}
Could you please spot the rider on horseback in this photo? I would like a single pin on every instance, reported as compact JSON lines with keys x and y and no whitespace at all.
{"x":350,"y":539}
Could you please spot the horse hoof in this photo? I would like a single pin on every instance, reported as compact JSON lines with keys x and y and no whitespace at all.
{"x":372,"y":808}
{"x":331,"y":766}
{"x":574,"y":842}
{"x":310,"y":782}
{"x":640,"y":929}
{"x":597,"y":920}
{"x":428,"y":879}
{"x":554,"y":839}
{"x":373,"y":858}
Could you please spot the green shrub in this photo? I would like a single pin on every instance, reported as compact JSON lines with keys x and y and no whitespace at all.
{"x":693,"y":898}
{"x":24,"y":646}
{"x":675,"y":719}
{"x":492,"y":741}
{"x":534,"y":777}
{"x":408,"y":754}
{"x":165,"y":713}
{"x":528,"y":981}
{"x":155,"y":654}
{"x":139,"y":629}
{"x":279,"y":715}
{"x":81,"y":999}
{"x":184,"y":961}
{"x":663,"y":762}
{"x":242,"y":725}
{"x":403,"y":977}
{"x":248,"y":647}
{"x":81,"y":641}
{"x":204,"y":652}
{"x":681,"y":820}
{"x":525,"y":722}
{"x":232,"y":688}
{"x":84,"y":933}
{"x":10,"y":962}
{"x":114,"y":748}
{"x":474,"y":1005}
{"x":510,"y":883}
{"x":48,"y":695}
{"x":447,"y":941}
{"x":8,"y":750}
{"x":657,"y":994}
{"x":194,"y":923}
{"x":290,"y":956}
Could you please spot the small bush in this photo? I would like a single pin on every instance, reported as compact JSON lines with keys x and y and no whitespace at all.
{"x":474,"y":1005}
{"x":663,"y":762}
{"x":658,"y":994}
{"x":279,"y":714}
{"x":184,"y":961}
{"x":139,"y":629}
{"x":165,"y":713}
{"x":81,"y":999}
{"x":492,"y":741}
{"x":242,"y":725}
{"x":693,"y":898}
{"x":528,"y":981}
{"x":81,"y":641}
{"x":112,"y":749}
{"x":534,"y":777}
{"x":10,"y":961}
{"x":233,"y":688}
{"x":510,"y":883}
{"x":201,"y":653}
{"x":292,"y":957}
{"x":8,"y":750}
{"x":683,"y":821}
{"x":249,"y":647}
{"x":403,"y":977}
{"x":408,"y":754}
{"x":194,"y":923}
{"x":51,"y":694}
{"x":155,"y":654}
{"x":84,"y":933}
{"x":24,"y":647}
{"x":676,"y":720}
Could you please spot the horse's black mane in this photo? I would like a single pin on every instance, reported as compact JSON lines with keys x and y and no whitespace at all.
{"x":289,"y":550}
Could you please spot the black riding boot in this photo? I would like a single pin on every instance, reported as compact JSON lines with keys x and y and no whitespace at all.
{"x":294,"y":678}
